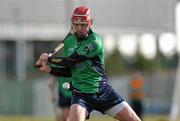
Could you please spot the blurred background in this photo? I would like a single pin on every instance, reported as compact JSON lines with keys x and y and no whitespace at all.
{"x":139,"y":35}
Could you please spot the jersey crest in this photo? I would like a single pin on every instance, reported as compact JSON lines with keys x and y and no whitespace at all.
{"x":89,"y":48}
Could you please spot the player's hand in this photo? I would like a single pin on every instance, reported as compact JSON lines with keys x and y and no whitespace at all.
{"x":45,"y":67}
{"x":43,"y":57}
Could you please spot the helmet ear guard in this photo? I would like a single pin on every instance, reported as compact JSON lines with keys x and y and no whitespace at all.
{"x":91,"y":22}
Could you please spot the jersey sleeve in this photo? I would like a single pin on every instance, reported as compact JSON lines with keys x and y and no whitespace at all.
{"x":64,"y":72}
{"x":90,"y":49}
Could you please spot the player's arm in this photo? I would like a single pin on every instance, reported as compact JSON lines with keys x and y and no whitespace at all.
{"x":52,"y":87}
{"x":67,"y":61}
{"x":64,"y":72}
{"x":56,"y":71}
{"x":81,"y":54}
{"x":52,"y":83}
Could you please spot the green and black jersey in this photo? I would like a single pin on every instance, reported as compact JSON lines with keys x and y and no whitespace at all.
{"x":86,"y":62}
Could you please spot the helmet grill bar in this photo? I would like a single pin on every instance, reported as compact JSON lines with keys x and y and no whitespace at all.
{"x":85,"y":15}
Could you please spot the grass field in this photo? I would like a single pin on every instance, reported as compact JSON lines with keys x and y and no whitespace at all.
{"x":103,"y":118}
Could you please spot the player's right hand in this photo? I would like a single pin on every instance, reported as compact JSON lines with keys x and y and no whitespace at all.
{"x":45,"y":67}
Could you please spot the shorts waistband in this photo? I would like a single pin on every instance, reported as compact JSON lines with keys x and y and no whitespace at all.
{"x":76,"y":91}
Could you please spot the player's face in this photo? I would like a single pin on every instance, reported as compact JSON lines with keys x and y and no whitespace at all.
{"x":81,"y":29}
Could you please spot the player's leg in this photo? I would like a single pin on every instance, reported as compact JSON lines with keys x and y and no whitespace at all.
{"x":64,"y":104}
{"x":126,"y":113}
{"x":116,"y":107}
{"x":77,"y":113}
{"x":64,"y":115}
{"x":122,"y":111}
{"x":137,"y":106}
{"x":80,"y":108}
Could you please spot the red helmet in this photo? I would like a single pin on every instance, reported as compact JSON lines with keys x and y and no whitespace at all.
{"x":82,"y":15}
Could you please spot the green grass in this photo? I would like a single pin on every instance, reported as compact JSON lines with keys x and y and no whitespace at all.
{"x":102,"y":118}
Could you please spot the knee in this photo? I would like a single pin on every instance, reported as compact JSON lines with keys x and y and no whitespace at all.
{"x":78,"y":109}
{"x":77,"y":113}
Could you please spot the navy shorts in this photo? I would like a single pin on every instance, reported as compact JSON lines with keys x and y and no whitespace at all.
{"x":63,"y":101}
{"x":101,"y":101}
